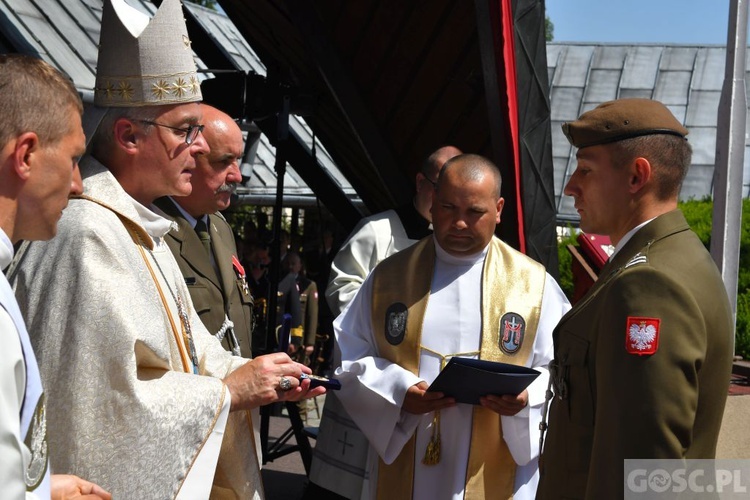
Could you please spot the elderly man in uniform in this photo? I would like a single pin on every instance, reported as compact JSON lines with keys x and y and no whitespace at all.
{"x":643,"y":361}
{"x":456,"y":292}
{"x":142,"y":399}
{"x":203,"y":241}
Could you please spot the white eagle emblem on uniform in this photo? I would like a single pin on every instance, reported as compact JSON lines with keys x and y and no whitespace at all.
{"x":642,"y":336}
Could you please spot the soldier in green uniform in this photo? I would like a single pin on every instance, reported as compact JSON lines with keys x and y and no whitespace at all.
{"x":203,"y":242}
{"x":642,"y":363}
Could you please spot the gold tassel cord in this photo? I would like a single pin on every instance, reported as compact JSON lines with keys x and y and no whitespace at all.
{"x":432,"y":452}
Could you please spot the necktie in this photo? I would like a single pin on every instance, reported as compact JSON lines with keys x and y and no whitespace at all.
{"x":202,"y":230}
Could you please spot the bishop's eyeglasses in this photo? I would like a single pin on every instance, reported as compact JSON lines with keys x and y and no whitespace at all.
{"x":191,"y":132}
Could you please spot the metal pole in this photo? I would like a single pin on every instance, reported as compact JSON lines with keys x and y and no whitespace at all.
{"x":282,"y":135}
{"x":730,"y":153}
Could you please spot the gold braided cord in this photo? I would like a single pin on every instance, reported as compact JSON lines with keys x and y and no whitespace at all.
{"x":180,"y":344}
{"x":432,"y":452}
{"x":444,"y":357}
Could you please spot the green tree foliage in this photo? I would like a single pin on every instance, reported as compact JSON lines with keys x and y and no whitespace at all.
{"x":549,"y":29}
{"x":698,"y":215}
{"x":566,"y":263}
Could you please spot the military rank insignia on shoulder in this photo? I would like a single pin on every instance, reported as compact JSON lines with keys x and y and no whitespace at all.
{"x":642,"y":335}
{"x":638,"y":258}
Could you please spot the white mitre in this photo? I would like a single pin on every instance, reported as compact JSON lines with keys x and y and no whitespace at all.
{"x":142,"y":61}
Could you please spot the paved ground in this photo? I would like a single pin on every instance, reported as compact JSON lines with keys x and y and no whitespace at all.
{"x":284,"y":478}
{"x":734,"y":440}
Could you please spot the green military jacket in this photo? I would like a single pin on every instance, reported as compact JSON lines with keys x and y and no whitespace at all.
{"x":642,"y":364}
{"x":214,"y":296}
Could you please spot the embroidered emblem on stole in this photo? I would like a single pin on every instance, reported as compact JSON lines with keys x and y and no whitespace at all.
{"x":395,"y":323}
{"x":36,"y":441}
{"x":512,"y":331}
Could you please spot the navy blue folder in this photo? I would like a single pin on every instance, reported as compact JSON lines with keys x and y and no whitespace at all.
{"x":467,"y":379}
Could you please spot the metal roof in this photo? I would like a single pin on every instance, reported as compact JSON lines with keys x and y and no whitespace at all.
{"x":65,"y":33}
{"x":688,"y":79}
{"x":394,"y":80}
{"x":262,"y":184}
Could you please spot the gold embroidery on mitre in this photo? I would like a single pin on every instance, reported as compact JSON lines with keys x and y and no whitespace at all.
{"x":180,"y":87}
{"x":109,"y":90}
{"x":194,"y":85}
{"x":160,"y":89}
{"x":125,"y":90}
{"x":163,"y":41}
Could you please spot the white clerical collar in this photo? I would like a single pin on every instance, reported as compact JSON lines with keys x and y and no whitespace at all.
{"x":6,"y":250}
{"x":192,"y":220}
{"x":464,"y":260}
{"x":155,"y":225}
{"x":627,"y":237}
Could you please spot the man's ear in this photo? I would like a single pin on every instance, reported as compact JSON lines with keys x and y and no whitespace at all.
{"x":500,"y":205}
{"x":24,"y":153}
{"x":418,"y":181}
{"x":640,"y":174}
{"x":125,"y":133}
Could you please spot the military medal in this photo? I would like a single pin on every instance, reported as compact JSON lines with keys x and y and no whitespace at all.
{"x":240,"y":274}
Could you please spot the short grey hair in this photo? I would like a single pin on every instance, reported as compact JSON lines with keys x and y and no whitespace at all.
{"x":103,"y":140}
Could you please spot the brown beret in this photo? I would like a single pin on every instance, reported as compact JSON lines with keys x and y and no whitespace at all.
{"x":622,"y":119}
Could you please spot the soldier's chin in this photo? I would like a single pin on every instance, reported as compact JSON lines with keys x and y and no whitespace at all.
{"x":223,"y":200}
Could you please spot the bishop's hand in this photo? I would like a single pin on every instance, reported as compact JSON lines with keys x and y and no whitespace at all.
{"x":268,"y":379}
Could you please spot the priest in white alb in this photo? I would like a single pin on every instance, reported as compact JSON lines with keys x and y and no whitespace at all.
{"x":460,"y":292}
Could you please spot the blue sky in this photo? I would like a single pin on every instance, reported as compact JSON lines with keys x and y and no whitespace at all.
{"x":699,"y":22}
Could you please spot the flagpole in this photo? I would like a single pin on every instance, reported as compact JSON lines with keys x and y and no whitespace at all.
{"x":730,"y":154}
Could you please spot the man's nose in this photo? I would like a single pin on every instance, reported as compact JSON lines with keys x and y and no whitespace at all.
{"x":569,"y":187}
{"x":76,"y":184}
{"x":234,"y":174}
{"x":199,"y":146}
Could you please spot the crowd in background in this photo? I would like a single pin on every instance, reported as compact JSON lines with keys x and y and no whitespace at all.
{"x":305,"y":260}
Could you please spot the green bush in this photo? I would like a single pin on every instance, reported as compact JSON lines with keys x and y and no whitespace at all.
{"x":566,"y":261}
{"x":742,"y":337}
{"x":698,"y":214}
